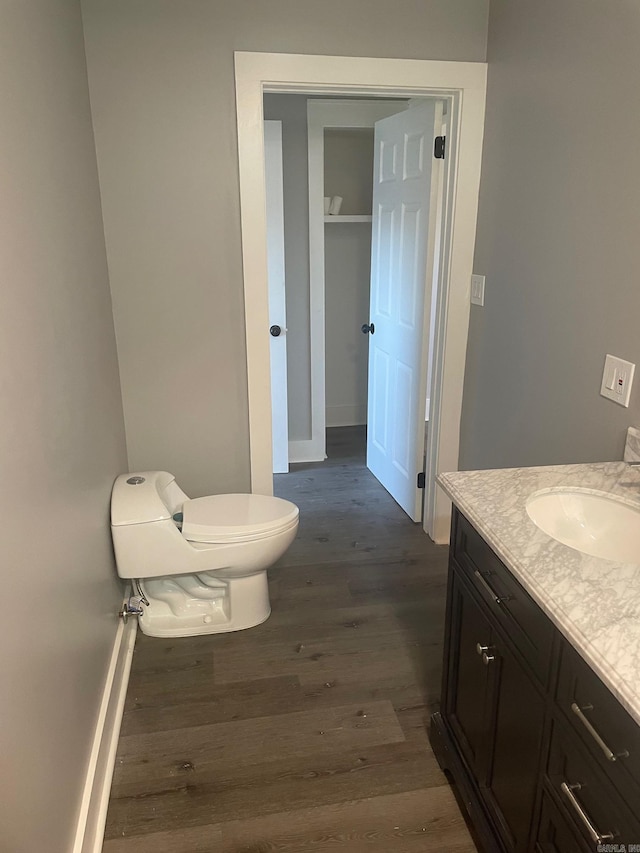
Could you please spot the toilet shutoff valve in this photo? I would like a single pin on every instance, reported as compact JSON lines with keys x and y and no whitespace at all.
{"x":132,"y":607}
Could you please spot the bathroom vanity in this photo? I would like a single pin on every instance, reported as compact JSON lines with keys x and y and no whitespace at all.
{"x":539,"y":723}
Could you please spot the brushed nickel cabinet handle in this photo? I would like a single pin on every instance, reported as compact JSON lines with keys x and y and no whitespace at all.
{"x":609,"y":754}
{"x":596,"y":837}
{"x":484,"y":651}
{"x":498,"y":599}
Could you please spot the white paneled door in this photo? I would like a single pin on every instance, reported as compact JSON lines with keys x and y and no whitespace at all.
{"x":277,"y":309}
{"x":402,"y":255}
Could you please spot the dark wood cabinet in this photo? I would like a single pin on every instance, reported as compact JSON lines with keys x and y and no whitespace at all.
{"x":532,"y":771}
{"x":496,"y":715}
{"x":467,"y":694}
{"x":516,"y":740}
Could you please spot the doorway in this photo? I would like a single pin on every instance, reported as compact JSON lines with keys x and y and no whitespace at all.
{"x":340,"y":140}
{"x":464,"y":85}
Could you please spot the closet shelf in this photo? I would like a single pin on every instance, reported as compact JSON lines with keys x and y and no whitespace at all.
{"x":358,"y":217}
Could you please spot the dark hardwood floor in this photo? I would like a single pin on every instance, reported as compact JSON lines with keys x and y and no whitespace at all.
{"x":308,"y":732}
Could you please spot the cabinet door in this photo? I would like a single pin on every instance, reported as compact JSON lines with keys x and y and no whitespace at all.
{"x":496,"y":715}
{"x":467,"y":694}
{"x":516,"y":743}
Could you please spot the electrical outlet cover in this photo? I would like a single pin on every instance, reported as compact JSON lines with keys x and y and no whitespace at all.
{"x":617,"y":379}
{"x":477,"y":290}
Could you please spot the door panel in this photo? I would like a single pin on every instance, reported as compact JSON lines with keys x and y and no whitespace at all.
{"x":414,"y":155}
{"x":401,"y":278}
{"x":383,"y":267}
{"x":403,"y":392}
{"x":410,"y":272}
{"x":377,"y":431}
{"x":388,"y":160}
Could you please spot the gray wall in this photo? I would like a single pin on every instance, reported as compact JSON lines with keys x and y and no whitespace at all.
{"x":162,"y":93}
{"x":557,"y":235}
{"x":348,"y":167}
{"x":347,"y":250}
{"x":61,"y":433}
{"x":348,"y":172}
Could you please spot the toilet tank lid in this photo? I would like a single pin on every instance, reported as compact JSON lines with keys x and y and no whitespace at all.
{"x":138,"y":498}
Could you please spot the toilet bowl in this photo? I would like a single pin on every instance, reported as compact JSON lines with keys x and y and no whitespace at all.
{"x":200,"y":565}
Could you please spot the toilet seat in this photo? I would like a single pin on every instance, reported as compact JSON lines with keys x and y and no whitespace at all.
{"x":220,"y":519}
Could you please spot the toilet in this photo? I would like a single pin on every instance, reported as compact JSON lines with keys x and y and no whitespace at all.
{"x":199,"y":566}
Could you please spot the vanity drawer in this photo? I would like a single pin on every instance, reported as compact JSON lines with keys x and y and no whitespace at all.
{"x":585,"y":794}
{"x":525,"y":624}
{"x":556,"y":833}
{"x":601,"y":723}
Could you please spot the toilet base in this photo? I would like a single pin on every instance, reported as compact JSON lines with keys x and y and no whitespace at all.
{"x":190,"y":605}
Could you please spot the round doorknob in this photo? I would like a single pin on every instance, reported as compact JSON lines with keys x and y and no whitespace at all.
{"x":367,"y":327}
{"x":275,"y":331}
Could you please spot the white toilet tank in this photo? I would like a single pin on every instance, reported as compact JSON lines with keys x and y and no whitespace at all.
{"x":144,"y":497}
{"x":146,"y":540}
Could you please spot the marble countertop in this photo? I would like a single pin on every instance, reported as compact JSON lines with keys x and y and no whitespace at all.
{"x":595,"y":603}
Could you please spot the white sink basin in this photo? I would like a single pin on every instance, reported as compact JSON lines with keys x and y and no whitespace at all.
{"x":595,"y":523}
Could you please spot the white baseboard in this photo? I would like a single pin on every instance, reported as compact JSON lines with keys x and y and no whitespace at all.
{"x":307,"y":451}
{"x":347,"y":415}
{"x":95,"y":796}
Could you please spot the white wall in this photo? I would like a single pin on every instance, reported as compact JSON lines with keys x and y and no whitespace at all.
{"x":557,"y":235}
{"x":163,"y":101}
{"x":61,"y":431}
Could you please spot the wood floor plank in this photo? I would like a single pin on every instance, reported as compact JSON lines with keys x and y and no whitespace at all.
{"x":356,"y":656}
{"x":375,"y":618}
{"x":256,"y":741}
{"x":230,"y":704}
{"x":403,"y":823}
{"x":410,"y":822}
{"x":244,"y":792}
{"x":156,"y":706}
{"x":357,"y":547}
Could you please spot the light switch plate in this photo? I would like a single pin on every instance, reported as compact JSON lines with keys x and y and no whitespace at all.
{"x":617,"y":379}
{"x":477,"y":290}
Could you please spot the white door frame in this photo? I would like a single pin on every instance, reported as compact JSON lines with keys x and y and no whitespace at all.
{"x":464,"y":84}
{"x":323,"y":115}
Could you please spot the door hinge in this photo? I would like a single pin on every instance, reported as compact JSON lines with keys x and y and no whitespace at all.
{"x":439,"y":146}
{"x":421,"y":479}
